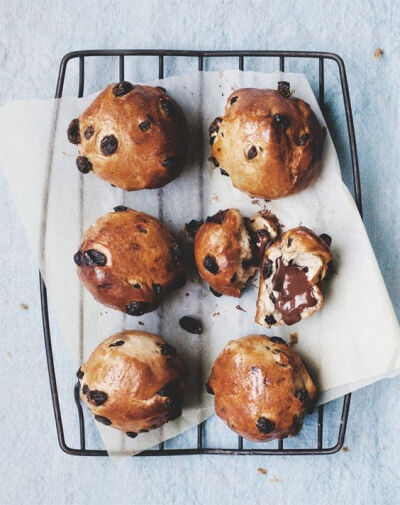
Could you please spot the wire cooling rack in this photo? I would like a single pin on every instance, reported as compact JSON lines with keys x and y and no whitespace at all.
{"x":202,"y":57}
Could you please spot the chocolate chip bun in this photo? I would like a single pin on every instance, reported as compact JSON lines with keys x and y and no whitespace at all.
{"x":133,"y":381}
{"x":268,"y":142}
{"x":227,"y":249}
{"x":132,"y":136}
{"x":262,"y":388}
{"x":292,"y":276}
{"x":129,"y":261}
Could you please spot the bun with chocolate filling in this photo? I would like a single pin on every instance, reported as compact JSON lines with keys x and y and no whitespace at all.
{"x":262,"y":388}
{"x":132,"y":136}
{"x":291,"y":278}
{"x":227,"y":249}
{"x":133,"y":381}
{"x":129,"y":261}
{"x":268,"y":142}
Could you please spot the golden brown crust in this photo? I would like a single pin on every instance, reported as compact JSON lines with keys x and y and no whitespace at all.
{"x":225,"y":249}
{"x":129,"y":260}
{"x":150,"y":131}
{"x":133,"y":381}
{"x":301,"y":260}
{"x":262,"y":388}
{"x":269,"y":145}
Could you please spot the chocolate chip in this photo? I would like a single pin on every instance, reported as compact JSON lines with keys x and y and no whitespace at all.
{"x":181,"y":280}
{"x":144,"y":126}
{"x":265,"y":425}
{"x":85,"y":389}
{"x":191,"y":325}
{"x":272,"y":298}
{"x":305,"y":269}
{"x":302,"y":140}
{"x":169,"y":388}
{"x":105,"y":285}
{"x":93,"y":257}
{"x":218,"y":217}
{"x":270,"y":320}
{"x":267,"y":269}
{"x":80,"y":373}
{"x":120,"y":208}
{"x":252,"y":152}
{"x":137,"y":286}
{"x":122,"y":88}
{"x":103,"y":420}
{"x":211,"y":140}
{"x":108,"y":145}
{"x":131,"y":434}
{"x":215,"y":162}
{"x":73,"y":132}
{"x":234,"y":99}
{"x":83,"y":164}
{"x":157,"y":289}
{"x":223,"y":172}
{"x":289,"y":241}
{"x":97,"y":397}
{"x":301,"y":394}
{"x":176,"y":255}
{"x":326,"y":238}
{"x":117,"y":343}
{"x":192,"y":227}
{"x":88,"y":133}
{"x":143,"y":431}
{"x":210,"y":264}
{"x":214,"y":126}
{"x":209,"y":389}
{"x":167,"y":106}
{"x":233,"y":278}
{"x":137,"y":308}
{"x":141,"y":229}
{"x":171,"y":163}
{"x":162,"y":89}
{"x":167,"y":350}
{"x":215,"y":293}
{"x":277,"y":340}
{"x":284,"y":88}
{"x":78,"y":258}
{"x":281,"y":120}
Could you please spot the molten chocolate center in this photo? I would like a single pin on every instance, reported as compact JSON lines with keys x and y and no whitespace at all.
{"x":295,"y":292}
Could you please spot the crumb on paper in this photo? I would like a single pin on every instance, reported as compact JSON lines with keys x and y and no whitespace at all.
{"x":67,"y":154}
{"x":9,"y":354}
{"x":24,"y":306}
{"x":294,"y":339}
{"x":141,"y":323}
{"x":215,"y":197}
{"x":216,"y":314}
{"x":275,"y":479}
{"x":255,"y":201}
{"x":378,"y":53}
{"x":262,"y":470}
{"x":238,"y":307}
{"x":345,"y":449}
{"x":187,"y":294}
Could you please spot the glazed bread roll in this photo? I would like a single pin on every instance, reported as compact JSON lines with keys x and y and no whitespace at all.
{"x":292,"y":277}
{"x":133,"y":381}
{"x":268,"y":142}
{"x":133,"y":136}
{"x":262,"y":388}
{"x":129,"y":261}
{"x":227,"y":249}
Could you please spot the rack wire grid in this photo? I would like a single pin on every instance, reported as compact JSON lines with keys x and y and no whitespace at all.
{"x":201,"y":56}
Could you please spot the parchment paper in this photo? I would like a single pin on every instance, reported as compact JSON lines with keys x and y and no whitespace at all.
{"x":353,"y":341}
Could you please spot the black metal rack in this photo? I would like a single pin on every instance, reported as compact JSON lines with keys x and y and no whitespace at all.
{"x":201,"y":448}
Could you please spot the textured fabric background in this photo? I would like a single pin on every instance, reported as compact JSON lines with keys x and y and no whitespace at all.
{"x":33,"y":38}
